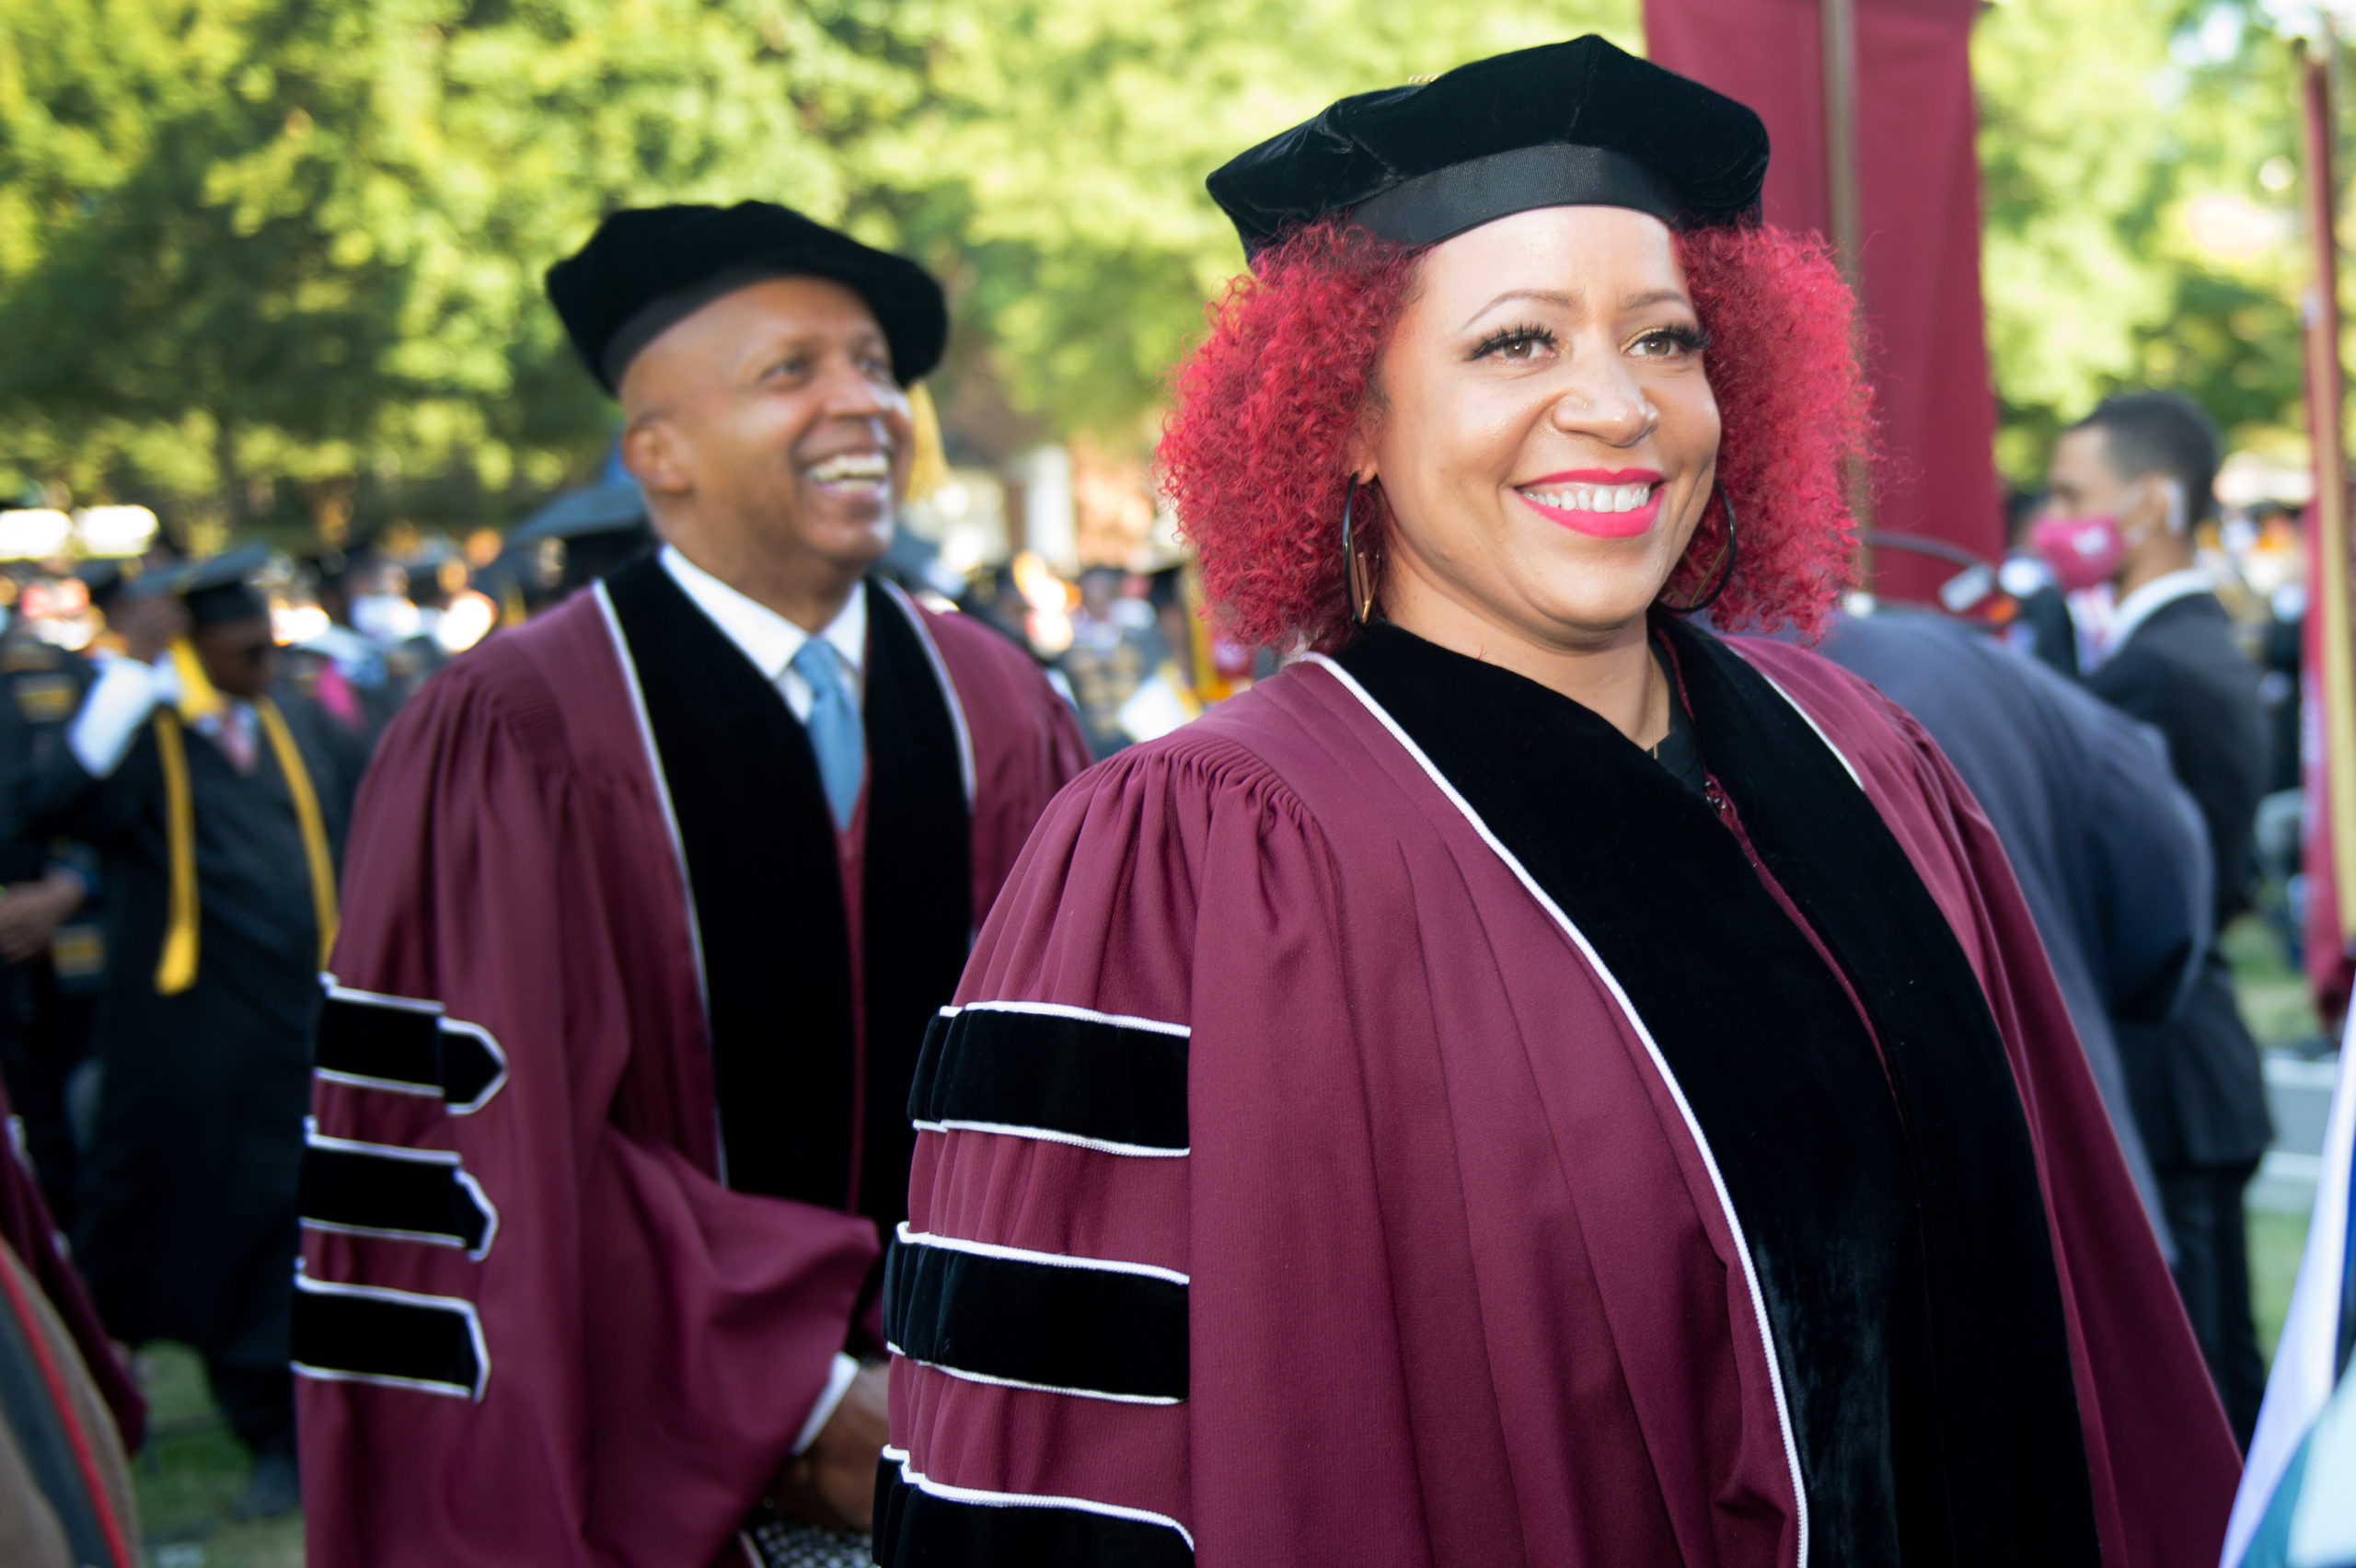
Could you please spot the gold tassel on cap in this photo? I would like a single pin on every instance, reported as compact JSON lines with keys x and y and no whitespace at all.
{"x":928,"y":460}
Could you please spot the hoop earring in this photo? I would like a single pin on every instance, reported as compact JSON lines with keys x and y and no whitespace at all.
{"x":1357,"y":580}
{"x":1723,"y":574}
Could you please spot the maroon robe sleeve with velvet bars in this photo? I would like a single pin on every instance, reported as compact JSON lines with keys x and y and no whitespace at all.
{"x":558,"y":1337}
{"x":1295,"y":1185}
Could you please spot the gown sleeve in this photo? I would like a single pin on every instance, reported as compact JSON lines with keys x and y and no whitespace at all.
{"x":2162,"y":1459}
{"x":1174,"y":908}
{"x":53,"y":795}
{"x":530,"y":1329}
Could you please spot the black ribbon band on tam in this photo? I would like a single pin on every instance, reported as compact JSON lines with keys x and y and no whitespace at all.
{"x":1446,"y":201}
{"x":657,"y":316}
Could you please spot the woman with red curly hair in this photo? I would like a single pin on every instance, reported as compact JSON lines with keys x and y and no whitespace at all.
{"x":1536,"y":1081}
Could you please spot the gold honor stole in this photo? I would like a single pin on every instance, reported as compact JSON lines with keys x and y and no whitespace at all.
{"x":176,"y":969}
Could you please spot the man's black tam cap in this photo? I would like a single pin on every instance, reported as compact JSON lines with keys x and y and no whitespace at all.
{"x":1565,"y":124}
{"x":219,"y":589}
{"x":648,"y":269}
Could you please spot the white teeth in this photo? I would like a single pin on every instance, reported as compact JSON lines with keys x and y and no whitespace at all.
{"x":1594,"y":498}
{"x":852,"y":465}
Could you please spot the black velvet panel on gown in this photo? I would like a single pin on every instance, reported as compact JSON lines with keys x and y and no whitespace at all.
{"x":804,"y":1112}
{"x":1883,"y":1176}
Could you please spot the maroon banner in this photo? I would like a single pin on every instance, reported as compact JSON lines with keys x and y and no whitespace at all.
{"x":1918,"y":178}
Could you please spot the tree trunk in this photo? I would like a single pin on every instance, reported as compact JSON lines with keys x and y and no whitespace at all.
{"x":230,"y":475}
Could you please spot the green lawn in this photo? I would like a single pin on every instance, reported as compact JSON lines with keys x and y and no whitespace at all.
{"x":2275,"y":1005}
{"x":2275,"y":1239}
{"x":190,"y":1474}
{"x":2272,"y":995}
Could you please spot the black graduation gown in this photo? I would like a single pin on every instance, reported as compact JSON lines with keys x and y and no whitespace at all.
{"x":44,"y":1017}
{"x":188,"y":1229}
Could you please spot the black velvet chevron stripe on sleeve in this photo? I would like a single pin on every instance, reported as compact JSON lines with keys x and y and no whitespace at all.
{"x":408,"y":1048}
{"x":371,"y":1192}
{"x":1071,"y":1328}
{"x":354,"y":1333}
{"x":919,"y":1528}
{"x":1085,"y":1077}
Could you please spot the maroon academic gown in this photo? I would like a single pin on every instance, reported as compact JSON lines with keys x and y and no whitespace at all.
{"x":560,"y":1303}
{"x":1393,"y":1122}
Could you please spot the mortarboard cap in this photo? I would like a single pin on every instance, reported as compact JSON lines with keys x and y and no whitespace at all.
{"x":616,"y":507}
{"x":104,"y":579}
{"x":218,"y":589}
{"x":1565,"y":124}
{"x":648,"y":269}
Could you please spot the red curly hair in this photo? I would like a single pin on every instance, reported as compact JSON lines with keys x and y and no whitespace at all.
{"x":1252,"y":456}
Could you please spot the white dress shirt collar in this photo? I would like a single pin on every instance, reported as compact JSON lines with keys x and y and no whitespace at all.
{"x":767,"y":638}
{"x":2159,"y":593}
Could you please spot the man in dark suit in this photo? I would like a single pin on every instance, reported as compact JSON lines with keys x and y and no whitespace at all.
{"x":2144,"y":464}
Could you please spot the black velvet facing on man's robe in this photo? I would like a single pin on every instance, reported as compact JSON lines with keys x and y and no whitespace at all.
{"x":917,"y":906}
{"x":798,"y":1119}
{"x":1892,"y":1212}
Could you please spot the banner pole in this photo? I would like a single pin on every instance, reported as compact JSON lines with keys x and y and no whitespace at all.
{"x":1837,"y":29}
{"x":2326,"y":394}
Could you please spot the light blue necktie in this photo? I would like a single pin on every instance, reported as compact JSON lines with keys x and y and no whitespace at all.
{"x":834,"y":731}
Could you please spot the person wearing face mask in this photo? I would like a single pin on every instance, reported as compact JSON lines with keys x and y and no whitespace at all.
{"x":1535,"y":1081}
{"x":2128,"y":483}
{"x":653,"y":901}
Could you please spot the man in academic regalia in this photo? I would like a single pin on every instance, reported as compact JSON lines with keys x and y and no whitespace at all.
{"x":2129,"y":483}
{"x":218,"y":827}
{"x":652,"y":901}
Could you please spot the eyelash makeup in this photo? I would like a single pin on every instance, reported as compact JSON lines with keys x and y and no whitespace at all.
{"x":1689,"y":340}
{"x":1508,"y":335}
{"x":1692,"y":340}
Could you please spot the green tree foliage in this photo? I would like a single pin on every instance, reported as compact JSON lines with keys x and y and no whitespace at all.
{"x":260,"y":253}
{"x":302,"y":239}
{"x":2138,"y":161}
{"x":256,"y":246}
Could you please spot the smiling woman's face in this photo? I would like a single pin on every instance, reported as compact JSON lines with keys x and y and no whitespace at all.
{"x":1545,"y":435}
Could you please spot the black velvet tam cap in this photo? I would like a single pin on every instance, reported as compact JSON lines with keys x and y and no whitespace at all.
{"x":1565,"y":124}
{"x":648,"y":269}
